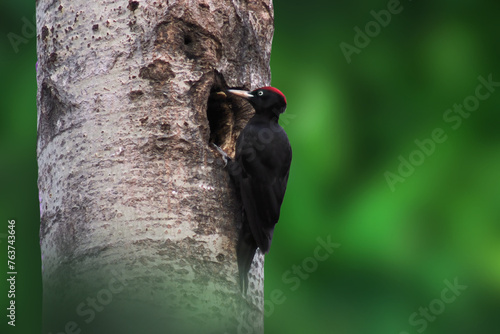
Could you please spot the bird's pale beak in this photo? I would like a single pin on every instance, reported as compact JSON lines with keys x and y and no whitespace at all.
{"x":241,"y":93}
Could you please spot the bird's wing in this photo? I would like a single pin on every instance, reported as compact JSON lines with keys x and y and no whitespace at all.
{"x":262,"y":186}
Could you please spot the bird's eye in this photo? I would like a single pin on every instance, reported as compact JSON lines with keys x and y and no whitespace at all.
{"x":260,"y":93}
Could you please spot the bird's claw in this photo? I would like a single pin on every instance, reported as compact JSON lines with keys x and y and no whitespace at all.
{"x":225,"y":157}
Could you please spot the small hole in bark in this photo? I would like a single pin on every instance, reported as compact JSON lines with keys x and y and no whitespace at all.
{"x":52,"y":58}
{"x":132,"y":5}
{"x":187,"y":40}
{"x":164,"y":127}
{"x":135,"y":94}
{"x":45,"y":32}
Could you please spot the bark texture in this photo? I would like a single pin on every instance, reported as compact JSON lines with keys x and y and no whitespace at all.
{"x":138,"y":216}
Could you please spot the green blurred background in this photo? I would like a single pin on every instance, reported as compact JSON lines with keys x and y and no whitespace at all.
{"x":349,"y":124}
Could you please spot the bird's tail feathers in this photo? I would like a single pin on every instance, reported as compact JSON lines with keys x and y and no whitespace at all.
{"x":245,"y":251}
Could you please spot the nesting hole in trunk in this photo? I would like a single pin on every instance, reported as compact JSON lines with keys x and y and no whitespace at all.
{"x":227,"y":116}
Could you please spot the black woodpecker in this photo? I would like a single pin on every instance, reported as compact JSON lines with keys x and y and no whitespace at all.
{"x":260,"y":172}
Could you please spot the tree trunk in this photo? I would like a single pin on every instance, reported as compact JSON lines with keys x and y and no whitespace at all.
{"x":138,"y":215}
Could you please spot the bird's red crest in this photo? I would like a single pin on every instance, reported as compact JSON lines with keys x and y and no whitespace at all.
{"x":275,"y":90}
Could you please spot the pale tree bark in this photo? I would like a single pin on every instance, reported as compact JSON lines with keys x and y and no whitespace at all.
{"x":138,"y":215}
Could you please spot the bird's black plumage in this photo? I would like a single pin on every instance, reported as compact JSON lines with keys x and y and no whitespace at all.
{"x":260,"y":172}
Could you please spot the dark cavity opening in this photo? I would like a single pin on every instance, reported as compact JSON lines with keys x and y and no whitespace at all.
{"x":227,"y":115}
{"x":132,"y":5}
{"x":219,"y":116}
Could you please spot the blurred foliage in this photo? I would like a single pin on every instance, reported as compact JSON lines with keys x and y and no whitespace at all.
{"x":349,"y":124}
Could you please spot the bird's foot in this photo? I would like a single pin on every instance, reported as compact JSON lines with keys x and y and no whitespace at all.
{"x":225,"y":157}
